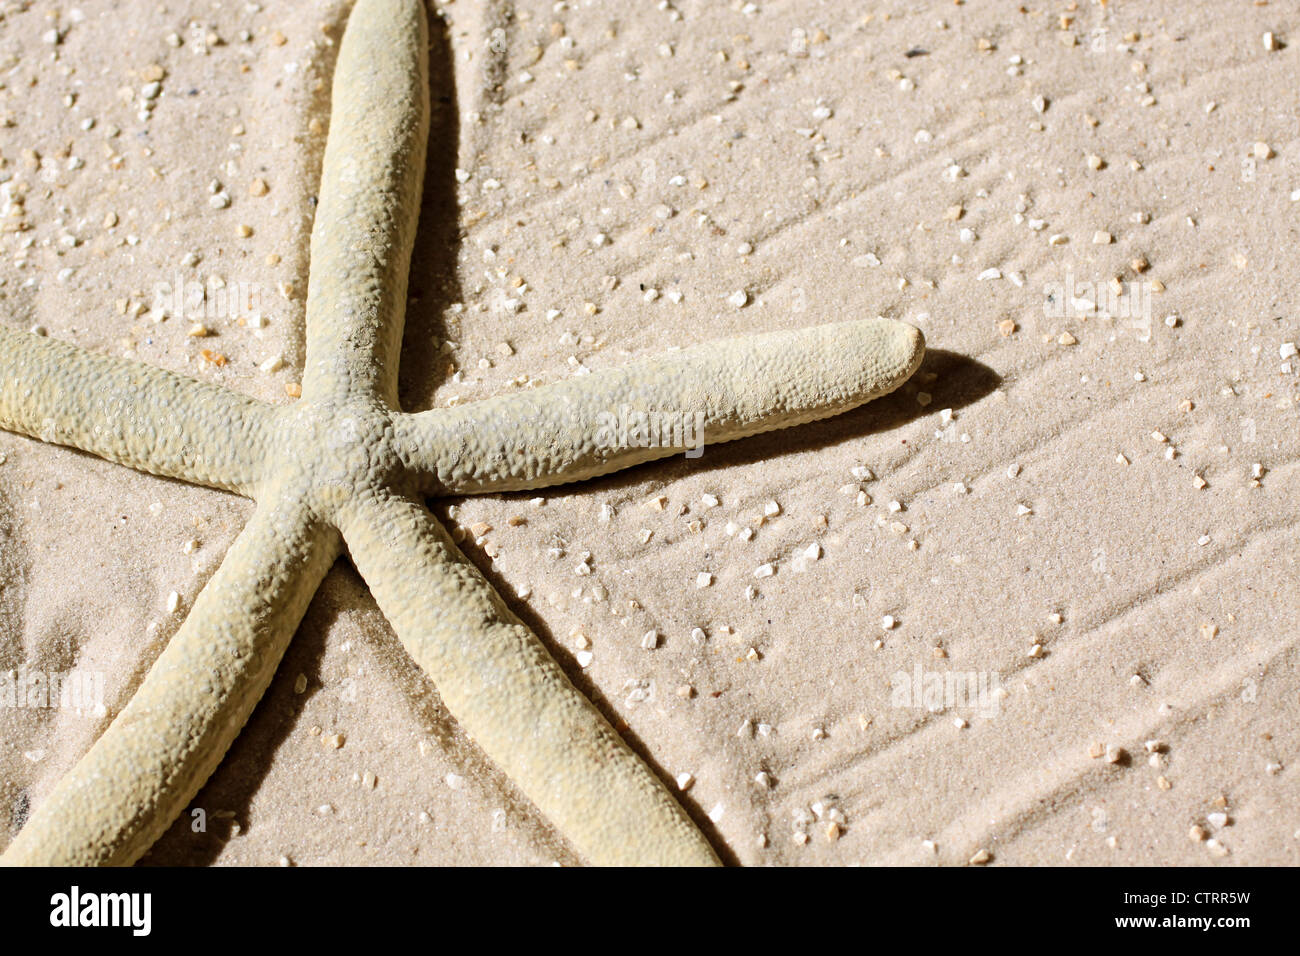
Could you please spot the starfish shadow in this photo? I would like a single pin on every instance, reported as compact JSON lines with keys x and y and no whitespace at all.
{"x":960,"y":381}
{"x":433,"y":284}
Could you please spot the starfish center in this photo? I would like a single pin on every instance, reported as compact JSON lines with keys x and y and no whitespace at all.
{"x":338,"y":450}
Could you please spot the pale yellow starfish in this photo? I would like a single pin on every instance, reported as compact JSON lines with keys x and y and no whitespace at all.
{"x":345,"y":468}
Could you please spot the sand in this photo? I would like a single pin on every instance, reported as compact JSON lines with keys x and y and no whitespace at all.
{"x":602,"y":179}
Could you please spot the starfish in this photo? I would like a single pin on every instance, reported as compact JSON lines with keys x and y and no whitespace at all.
{"x":345,"y":469}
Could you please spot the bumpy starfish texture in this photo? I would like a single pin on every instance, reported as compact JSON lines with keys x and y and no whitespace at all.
{"x":345,"y":469}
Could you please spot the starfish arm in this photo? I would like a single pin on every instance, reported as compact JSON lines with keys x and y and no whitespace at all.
{"x":370,"y":189}
{"x":131,"y":413}
{"x":163,"y":746}
{"x":710,"y":393}
{"x":505,"y":689}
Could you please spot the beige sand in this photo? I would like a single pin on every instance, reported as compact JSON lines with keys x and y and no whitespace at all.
{"x":806,"y":132}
